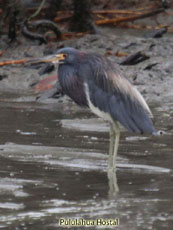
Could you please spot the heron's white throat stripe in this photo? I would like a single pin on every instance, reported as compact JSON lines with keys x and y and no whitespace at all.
{"x":95,"y":109}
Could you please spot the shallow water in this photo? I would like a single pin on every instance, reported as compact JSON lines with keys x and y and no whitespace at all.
{"x":54,"y":165}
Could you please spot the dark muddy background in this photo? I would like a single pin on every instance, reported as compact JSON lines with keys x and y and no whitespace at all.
{"x":53,"y":154}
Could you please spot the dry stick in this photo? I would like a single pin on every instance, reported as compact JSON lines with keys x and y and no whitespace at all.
{"x":116,"y":12}
{"x":69,"y":35}
{"x":135,"y":58}
{"x":63,"y":18}
{"x":67,"y":17}
{"x":139,"y":11}
{"x":148,"y":27}
{"x":38,"y":10}
{"x":130,"y":18}
{"x":101,"y":16}
{"x":47,"y":24}
{"x":10,"y":62}
{"x":32,"y":35}
{"x":152,"y":6}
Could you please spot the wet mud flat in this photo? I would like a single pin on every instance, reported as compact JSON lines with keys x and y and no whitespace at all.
{"x":54,"y":165}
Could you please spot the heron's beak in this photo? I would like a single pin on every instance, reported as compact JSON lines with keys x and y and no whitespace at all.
{"x":55,"y":58}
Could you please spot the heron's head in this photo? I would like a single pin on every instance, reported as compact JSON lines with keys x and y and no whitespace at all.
{"x":62,"y":56}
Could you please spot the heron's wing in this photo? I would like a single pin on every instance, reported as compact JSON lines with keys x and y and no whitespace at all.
{"x":112,"y":93}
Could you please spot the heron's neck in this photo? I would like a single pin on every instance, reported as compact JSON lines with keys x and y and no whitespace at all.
{"x":72,"y":84}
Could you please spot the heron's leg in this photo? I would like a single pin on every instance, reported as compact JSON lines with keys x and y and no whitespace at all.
{"x":111,"y":145}
{"x":116,"y":143}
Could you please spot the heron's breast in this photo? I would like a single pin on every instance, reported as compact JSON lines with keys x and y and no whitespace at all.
{"x":94,"y":109}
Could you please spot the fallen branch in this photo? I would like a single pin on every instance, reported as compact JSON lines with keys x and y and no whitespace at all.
{"x":149,"y":7}
{"x":47,"y":24}
{"x":68,"y":14}
{"x":130,"y":18}
{"x":159,"y":33}
{"x":135,"y":58}
{"x":147,"y":27}
{"x":33,"y":35}
{"x":62,"y":18}
{"x":121,"y":54}
{"x":142,"y":26}
{"x":11,"y":62}
{"x":149,"y":67}
{"x":117,"y":53}
{"x":116,"y":12}
{"x":38,"y":10}
{"x":69,"y":35}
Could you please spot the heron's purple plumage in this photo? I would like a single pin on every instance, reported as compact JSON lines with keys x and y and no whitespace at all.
{"x":71,"y":84}
{"x":109,"y":91}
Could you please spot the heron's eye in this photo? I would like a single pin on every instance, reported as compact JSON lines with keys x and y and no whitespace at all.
{"x":64,"y":56}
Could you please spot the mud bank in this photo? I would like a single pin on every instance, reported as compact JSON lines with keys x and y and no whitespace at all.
{"x":153,"y":77}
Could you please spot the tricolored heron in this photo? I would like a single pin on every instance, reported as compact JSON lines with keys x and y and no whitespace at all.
{"x":93,"y":81}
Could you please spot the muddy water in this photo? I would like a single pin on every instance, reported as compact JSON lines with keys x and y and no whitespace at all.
{"x":53,"y":164}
